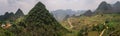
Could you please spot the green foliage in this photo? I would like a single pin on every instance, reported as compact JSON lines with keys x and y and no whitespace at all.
{"x":99,"y":27}
{"x":83,"y":31}
{"x":4,"y":32}
{"x":39,"y":22}
{"x":80,"y":33}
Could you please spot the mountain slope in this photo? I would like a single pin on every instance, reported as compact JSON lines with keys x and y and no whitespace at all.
{"x":7,"y":16}
{"x":11,"y":15}
{"x":104,"y":7}
{"x":88,"y":13}
{"x":116,"y":7}
{"x":19,"y":13}
{"x":39,"y":22}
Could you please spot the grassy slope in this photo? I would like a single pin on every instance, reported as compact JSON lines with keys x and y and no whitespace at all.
{"x":89,"y":22}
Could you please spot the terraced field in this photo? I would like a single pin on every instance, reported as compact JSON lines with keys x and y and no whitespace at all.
{"x":85,"y":25}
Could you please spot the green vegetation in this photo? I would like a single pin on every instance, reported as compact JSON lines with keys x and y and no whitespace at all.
{"x":95,"y":24}
{"x":39,"y":22}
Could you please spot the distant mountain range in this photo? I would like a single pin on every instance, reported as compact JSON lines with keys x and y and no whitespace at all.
{"x":11,"y":16}
{"x":116,"y":7}
{"x":60,"y":15}
{"x":88,"y":13}
{"x":104,"y":8}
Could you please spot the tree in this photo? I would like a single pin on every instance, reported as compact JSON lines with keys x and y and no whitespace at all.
{"x":39,"y":22}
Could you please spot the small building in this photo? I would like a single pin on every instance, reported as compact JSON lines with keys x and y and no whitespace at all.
{"x":6,"y":26}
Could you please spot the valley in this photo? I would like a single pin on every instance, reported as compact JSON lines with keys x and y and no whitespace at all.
{"x":104,"y":21}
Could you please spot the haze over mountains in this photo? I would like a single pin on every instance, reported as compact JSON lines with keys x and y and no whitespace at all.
{"x":104,"y":7}
{"x":61,"y":14}
{"x":26,"y":5}
{"x":40,"y":22}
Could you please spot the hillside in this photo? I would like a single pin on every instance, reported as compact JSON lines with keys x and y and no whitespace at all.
{"x":107,"y":8}
{"x":95,"y":24}
{"x":39,"y":22}
{"x":104,"y":21}
{"x":10,"y":16}
{"x":19,"y":13}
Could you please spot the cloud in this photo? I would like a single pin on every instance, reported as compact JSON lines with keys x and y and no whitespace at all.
{"x":26,"y":5}
{"x":13,"y":5}
{"x":75,"y":4}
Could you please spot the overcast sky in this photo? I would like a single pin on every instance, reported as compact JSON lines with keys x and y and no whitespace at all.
{"x":26,"y":5}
